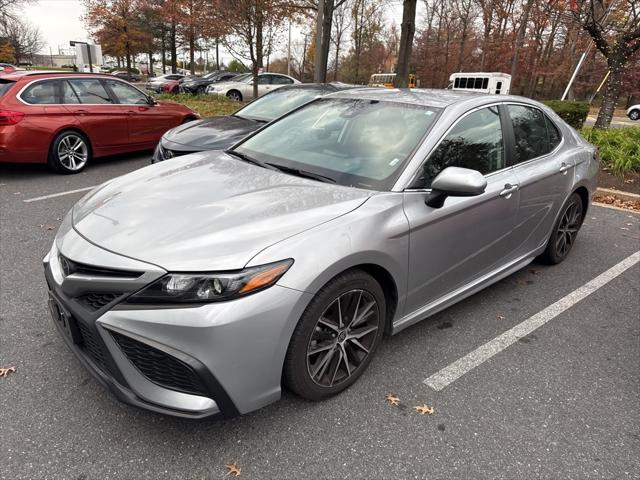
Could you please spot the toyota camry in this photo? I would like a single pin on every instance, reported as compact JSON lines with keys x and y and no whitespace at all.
{"x":204,"y":285}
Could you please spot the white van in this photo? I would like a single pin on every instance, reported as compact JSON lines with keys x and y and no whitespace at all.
{"x":487,"y":82}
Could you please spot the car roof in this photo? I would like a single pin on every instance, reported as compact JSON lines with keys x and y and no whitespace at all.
{"x":20,"y":74}
{"x":427,"y":97}
{"x":333,"y":86}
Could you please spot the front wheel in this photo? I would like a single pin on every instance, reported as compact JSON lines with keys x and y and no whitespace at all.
{"x":69,"y":153}
{"x":336,"y":336}
{"x":564,"y":231}
{"x":234,"y":95}
{"x":634,"y":114}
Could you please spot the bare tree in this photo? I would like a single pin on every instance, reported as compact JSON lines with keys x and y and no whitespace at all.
{"x":25,"y":39}
{"x":614,"y":27}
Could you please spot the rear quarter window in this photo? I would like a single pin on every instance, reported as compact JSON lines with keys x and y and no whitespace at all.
{"x":5,"y":86}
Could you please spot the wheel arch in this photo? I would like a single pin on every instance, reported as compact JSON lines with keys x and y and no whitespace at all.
{"x":236,"y":91}
{"x":71,"y":128}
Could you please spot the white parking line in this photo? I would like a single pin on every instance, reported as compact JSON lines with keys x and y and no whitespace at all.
{"x":53,"y":195}
{"x":452,"y":372}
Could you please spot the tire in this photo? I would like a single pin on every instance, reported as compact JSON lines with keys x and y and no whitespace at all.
{"x":634,"y":115}
{"x":201,"y":90}
{"x":565,"y":231}
{"x":69,"y":153}
{"x":234,"y":95}
{"x":314,"y":367}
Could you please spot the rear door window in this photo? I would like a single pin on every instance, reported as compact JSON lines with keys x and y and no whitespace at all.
{"x":90,"y":91}
{"x":530,"y":132}
{"x":41,"y":93}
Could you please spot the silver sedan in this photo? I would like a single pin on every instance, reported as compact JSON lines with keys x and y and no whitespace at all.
{"x":201,"y":286}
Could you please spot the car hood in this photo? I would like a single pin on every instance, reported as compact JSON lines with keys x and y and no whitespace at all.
{"x":206,"y":211}
{"x":213,"y":133}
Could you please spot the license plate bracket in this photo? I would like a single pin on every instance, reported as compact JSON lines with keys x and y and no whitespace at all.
{"x":64,"y":320}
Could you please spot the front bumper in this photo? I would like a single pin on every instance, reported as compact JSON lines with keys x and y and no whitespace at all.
{"x":152,"y":357}
{"x":166,"y":150}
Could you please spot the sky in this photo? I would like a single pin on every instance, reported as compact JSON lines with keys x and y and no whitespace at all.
{"x":60,"y":21}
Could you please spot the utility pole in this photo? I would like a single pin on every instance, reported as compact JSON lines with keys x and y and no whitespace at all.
{"x":317,"y":75}
{"x":289,"y":51}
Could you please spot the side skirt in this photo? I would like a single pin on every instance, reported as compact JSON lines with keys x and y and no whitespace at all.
{"x":463,"y":292}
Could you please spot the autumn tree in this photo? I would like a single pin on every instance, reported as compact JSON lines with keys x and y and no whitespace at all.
{"x":117,"y":26}
{"x":251,"y":24}
{"x":614,"y":27}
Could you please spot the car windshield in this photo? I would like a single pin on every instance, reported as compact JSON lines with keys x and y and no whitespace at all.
{"x":277,"y":103}
{"x":245,"y":77}
{"x":354,"y":142}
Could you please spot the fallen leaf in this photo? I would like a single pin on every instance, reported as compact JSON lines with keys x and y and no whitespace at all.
{"x":424,"y":409}
{"x":233,"y":470}
{"x":629,"y":224}
{"x":500,"y":317}
{"x":624,"y":228}
{"x":16,"y":193}
{"x":534,"y":272}
{"x":392,"y":399}
{"x":6,"y":371}
{"x":47,"y":227}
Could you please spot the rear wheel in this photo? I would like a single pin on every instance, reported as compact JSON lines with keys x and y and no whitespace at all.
{"x":336,"y":337}
{"x":69,"y":153}
{"x":201,"y":90}
{"x":234,"y":95}
{"x":564,"y":231}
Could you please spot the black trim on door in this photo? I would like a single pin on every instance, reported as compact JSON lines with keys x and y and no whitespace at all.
{"x":507,"y":135}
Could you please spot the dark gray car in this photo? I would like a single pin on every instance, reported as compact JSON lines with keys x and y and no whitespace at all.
{"x":219,"y":133}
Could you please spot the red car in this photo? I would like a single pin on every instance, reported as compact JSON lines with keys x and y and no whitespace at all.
{"x":66,"y":119}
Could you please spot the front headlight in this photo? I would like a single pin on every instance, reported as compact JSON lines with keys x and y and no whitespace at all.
{"x":210,"y":287}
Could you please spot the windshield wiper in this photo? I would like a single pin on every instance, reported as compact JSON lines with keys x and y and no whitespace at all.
{"x":257,"y":120}
{"x":304,"y":173}
{"x":249,"y":159}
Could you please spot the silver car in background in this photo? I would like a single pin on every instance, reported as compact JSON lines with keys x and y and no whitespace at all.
{"x":197,"y":287}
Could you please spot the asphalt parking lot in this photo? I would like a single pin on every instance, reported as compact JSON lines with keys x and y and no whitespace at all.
{"x":559,"y":402}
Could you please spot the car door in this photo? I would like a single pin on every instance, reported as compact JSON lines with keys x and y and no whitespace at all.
{"x":264,"y":84}
{"x":146,"y":122}
{"x":467,"y":237}
{"x":99,"y":116}
{"x":544,"y":173}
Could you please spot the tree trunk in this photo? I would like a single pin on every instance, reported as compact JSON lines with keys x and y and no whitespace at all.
{"x":173,"y":48}
{"x":217,"y":55}
{"x":163,"y":52}
{"x":406,"y":42}
{"x":611,"y":93}
{"x":192,"y":51}
{"x":257,"y":64}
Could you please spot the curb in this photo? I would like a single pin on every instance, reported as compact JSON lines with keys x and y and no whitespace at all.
{"x":628,"y":196}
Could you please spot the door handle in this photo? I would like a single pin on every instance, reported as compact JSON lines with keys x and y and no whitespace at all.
{"x":130,"y":112}
{"x":564,"y":168}
{"x":80,"y":112}
{"x":509,"y":189}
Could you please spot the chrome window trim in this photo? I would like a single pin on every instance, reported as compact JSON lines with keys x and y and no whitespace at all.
{"x":21,"y":91}
{"x":406,"y":188}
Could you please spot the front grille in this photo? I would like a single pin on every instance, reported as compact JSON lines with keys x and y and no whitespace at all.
{"x":160,"y":367}
{"x":173,"y":153}
{"x":69,"y":266}
{"x":96,"y":301}
{"x":92,"y":345}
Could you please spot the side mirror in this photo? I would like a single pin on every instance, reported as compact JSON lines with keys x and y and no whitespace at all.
{"x":151,"y":101}
{"x":455,"y":182}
